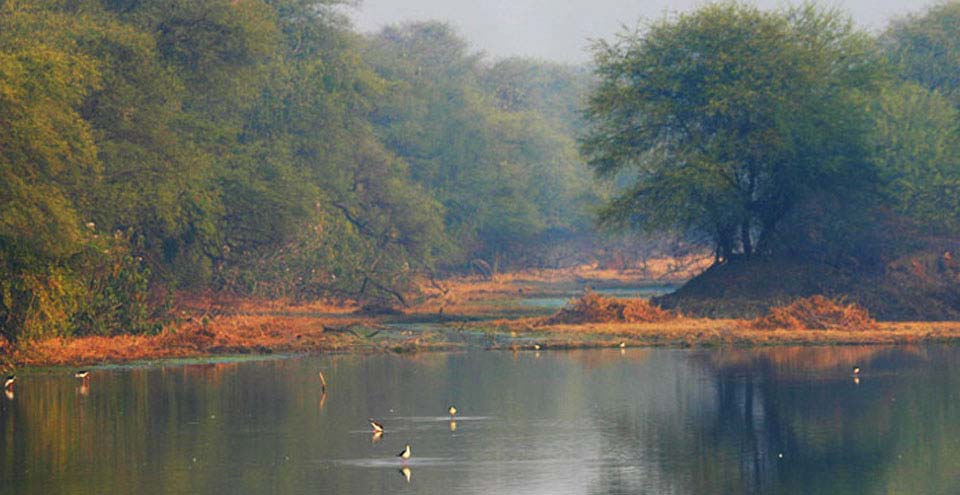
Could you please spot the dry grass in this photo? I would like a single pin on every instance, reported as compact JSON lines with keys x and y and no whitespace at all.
{"x":816,"y":313}
{"x":689,"y":332}
{"x":226,"y":334}
{"x":593,"y":308}
{"x":208,"y":304}
{"x":475,"y":296}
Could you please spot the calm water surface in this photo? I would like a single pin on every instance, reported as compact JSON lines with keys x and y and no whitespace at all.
{"x":784,"y":421}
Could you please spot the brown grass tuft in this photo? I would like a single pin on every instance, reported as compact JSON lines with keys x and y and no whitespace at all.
{"x":815,"y":313}
{"x":593,"y":308}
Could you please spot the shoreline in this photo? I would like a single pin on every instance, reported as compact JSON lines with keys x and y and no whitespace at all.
{"x":516,"y":335}
{"x":462,"y":314}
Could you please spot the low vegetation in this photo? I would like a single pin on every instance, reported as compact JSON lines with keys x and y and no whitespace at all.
{"x":594,"y":308}
{"x":816,"y":313}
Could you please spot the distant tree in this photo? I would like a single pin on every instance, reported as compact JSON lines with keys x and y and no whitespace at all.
{"x":730,"y":119}
{"x":918,"y":151}
{"x":925,"y":48}
{"x":504,"y":166}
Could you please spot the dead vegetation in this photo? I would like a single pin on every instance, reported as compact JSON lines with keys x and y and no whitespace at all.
{"x":815,"y":313}
{"x":224,"y":334}
{"x":594,"y":308}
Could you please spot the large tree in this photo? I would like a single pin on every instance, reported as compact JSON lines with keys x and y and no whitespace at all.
{"x":728,"y":119}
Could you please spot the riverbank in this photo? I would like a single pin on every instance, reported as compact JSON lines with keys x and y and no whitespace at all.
{"x":459,"y":314}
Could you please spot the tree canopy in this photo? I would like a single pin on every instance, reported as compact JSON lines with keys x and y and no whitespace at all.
{"x":730,"y":118}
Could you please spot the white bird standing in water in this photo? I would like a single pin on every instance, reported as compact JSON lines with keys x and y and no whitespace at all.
{"x":8,"y":383}
{"x":452,"y":410}
{"x":82,"y":374}
{"x":377,"y":427}
{"x":405,"y":453}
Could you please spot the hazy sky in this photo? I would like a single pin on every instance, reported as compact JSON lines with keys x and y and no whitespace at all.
{"x":558,"y":29}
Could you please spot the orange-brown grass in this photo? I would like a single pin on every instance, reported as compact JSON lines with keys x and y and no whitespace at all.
{"x":225,"y":334}
{"x":454,"y":294}
{"x":687,"y":332}
{"x":212,"y":303}
{"x":594,"y":308}
{"x":816,"y":313}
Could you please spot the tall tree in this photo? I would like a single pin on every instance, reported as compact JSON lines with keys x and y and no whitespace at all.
{"x":731,"y":118}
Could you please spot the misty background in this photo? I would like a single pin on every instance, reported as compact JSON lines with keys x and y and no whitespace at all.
{"x":560,"y":31}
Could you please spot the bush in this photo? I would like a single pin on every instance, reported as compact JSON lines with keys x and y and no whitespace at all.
{"x":593,"y":308}
{"x":815,"y":313}
{"x":116,"y":291}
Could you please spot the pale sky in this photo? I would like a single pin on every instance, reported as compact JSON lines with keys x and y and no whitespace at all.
{"x":558,"y":30}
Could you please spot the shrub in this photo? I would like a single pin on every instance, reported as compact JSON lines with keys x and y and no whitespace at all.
{"x":815,"y":313}
{"x":593,"y":308}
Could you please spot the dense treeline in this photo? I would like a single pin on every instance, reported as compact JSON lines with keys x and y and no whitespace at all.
{"x":783,"y":133}
{"x":261,"y":146}
{"x":264,"y":147}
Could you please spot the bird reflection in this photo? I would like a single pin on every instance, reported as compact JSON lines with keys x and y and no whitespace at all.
{"x":856,"y":380}
{"x":453,"y":425}
{"x":406,"y":472}
{"x":377,"y":435}
{"x":84,"y":376}
{"x":323,"y":383}
{"x":8,"y":393}
{"x":323,"y":400}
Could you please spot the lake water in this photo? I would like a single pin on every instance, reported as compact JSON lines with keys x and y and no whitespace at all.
{"x":642,"y":292}
{"x":778,"y":421}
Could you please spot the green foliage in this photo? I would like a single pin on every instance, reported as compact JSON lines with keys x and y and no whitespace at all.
{"x":925,"y":48}
{"x":488,"y":142}
{"x":732,"y":118}
{"x":918,"y":150}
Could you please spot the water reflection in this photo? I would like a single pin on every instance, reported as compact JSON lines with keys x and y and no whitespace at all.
{"x":784,"y":420}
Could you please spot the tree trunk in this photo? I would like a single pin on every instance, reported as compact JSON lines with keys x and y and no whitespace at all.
{"x":745,"y":239}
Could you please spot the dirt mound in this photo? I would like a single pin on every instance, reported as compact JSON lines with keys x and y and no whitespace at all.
{"x":923,"y":286}
{"x":593,"y":308}
{"x":816,"y":313}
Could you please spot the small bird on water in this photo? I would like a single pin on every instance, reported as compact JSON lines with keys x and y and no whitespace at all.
{"x":405,"y":453}
{"x":856,"y":370}
{"x":377,"y":427}
{"x":452,"y":410}
{"x":83,"y":374}
{"x":8,"y":383}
